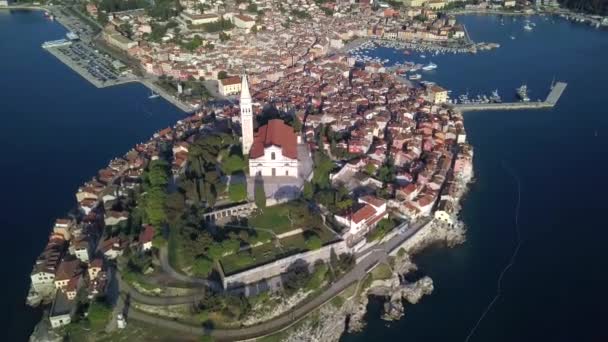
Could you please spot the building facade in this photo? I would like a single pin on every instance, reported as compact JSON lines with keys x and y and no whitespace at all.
{"x":274,"y":151}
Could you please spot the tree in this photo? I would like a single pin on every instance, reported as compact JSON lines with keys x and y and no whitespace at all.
{"x":370,"y":169}
{"x":222,"y":75}
{"x":102,"y":18}
{"x":313,"y":242}
{"x":230,"y":246}
{"x":259,"y":194}
{"x":215,"y":251}
{"x":237,"y":192}
{"x":253,"y":8}
{"x":202,"y":266}
{"x":233,"y":164}
{"x":99,"y":313}
{"x":154,"y":206}
{"x":307,"y":191}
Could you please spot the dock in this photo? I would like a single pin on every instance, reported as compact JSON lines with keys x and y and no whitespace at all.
{"x":556,"y":92}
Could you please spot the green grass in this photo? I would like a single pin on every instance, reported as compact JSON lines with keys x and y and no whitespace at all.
{"x":381,"y":272}
{"x":269,"y":251}
{"x":278,"y":217}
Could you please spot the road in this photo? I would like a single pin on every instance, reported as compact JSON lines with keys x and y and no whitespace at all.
{"x":168,"y":269}
{"x":375,"y":255}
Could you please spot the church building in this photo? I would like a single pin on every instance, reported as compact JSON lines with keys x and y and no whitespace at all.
{"x":276,"y":154}
{"x":273,"y":150}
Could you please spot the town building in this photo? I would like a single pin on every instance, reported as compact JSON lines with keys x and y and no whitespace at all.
{"x":116,"y":39}
{"x":363,"y":217}
{"x":199,"y":19}
{"x":243,"y":21}
{"x":229,"y":86}
{"x":274,"y":151}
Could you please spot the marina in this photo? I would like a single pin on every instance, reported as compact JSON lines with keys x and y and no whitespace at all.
{"x":551,"y":100}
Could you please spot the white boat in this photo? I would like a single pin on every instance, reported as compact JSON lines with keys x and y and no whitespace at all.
{"x":422,"y":56}
{"x":527,"y":27}
{"x":429,"y":67}
{"x":512,"y":37}
{"x":153,"y":95}
{"x":415,"y":77}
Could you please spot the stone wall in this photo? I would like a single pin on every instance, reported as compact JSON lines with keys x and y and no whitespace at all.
{"x":281,"y":266}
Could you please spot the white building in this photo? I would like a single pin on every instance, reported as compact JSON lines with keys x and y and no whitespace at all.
{"x":274,"y":151}
{"x":229,"y":86}
{"x":243,"y":21}
{"x":369,"y":212}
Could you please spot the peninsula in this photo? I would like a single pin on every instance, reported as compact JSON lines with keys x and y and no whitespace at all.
{"x":302,"y":188}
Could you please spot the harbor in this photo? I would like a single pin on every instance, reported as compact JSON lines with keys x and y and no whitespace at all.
{"x":556,"y":92}
{"x":80,"y":53}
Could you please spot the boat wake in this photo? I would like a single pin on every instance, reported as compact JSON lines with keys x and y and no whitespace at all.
{"x":511,"y":260}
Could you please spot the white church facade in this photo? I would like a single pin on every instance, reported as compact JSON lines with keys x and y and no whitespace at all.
{"x":274,"y":151}
{"x":276,"y":154}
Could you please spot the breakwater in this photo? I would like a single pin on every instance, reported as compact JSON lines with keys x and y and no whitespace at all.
{"x":556,"y":92}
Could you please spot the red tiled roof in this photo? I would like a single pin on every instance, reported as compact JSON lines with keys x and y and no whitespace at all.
{"x":364,"y":213}
{"x":276,"y":133}
{"x":375,"y":201}
{"x":67,"y":269}
{"x":146,"y":234}
{"x":231,"y":80}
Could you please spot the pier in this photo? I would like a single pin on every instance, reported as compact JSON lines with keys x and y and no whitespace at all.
{"x":556,"y":92}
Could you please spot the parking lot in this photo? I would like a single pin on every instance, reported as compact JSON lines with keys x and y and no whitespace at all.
{"x":95,"y":64}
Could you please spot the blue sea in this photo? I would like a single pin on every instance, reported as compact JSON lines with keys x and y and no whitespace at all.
{"x":555,"y":290}
{"x":57,"y":130}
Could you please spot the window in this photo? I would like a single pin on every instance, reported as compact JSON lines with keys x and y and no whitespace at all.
{"x":286,"y":172}
{"x":274,"y":171}
{"x":272,"y":155}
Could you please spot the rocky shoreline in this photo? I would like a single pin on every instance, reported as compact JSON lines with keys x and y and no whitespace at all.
{"x":332,"y":320}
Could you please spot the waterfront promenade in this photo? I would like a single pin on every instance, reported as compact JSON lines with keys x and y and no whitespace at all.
{"x":556,"y":92}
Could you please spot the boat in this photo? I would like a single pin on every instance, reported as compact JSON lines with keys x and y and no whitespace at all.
{"x":495,"y":98}
{"x":415,"y":77}
{"x":527,"y":27}
{"x":422,"y":56}
{"x":56,"y":43}
{"x":153,"y":95}
{"x":522,"y":93}
{"x":512,"y":37}
{"x":72,"y":36}
{"x":429,"y":67}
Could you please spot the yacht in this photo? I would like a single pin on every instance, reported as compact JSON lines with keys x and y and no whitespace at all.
{"x":522,"y":93}
{"x":495,"y":98}
{"x":415,"y":77}
{"x":527,"y":27}
{"x":429,"y":67}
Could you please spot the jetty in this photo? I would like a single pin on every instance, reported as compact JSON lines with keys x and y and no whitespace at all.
{"x":556,"y":92}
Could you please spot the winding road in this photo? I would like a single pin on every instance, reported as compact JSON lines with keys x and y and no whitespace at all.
{"x":369,"y":258}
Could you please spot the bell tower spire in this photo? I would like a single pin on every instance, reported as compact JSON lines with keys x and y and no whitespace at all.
{"x":246,"y":116}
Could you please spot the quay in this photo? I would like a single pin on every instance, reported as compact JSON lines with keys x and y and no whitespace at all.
{"x":556,"y":92}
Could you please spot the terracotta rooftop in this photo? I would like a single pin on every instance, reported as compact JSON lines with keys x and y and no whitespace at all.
{"x":366,"y":212}
{"x":275,"y":133}
{"x":231,"y":80}
{"x":146,"y":234}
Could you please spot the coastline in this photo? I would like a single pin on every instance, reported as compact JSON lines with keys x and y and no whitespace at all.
{"x":145,"y":81}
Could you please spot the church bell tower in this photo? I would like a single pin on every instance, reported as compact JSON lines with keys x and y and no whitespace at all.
{"x":246,"y":116}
